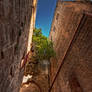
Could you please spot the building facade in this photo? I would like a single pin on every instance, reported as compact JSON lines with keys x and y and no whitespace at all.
{"x":16,"y":25}
{"x":71,"y":34}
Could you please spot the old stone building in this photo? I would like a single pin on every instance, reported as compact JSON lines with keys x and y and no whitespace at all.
{"x":71,"y":33}
{"x":17,"y":20}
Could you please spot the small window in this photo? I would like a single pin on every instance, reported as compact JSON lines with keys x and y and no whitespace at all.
{"x":19,"y":32}
{"x":51,"y":38}
{"x":16,"y":49}
{"x":11,"y":71}
{"x":57,"y":16}
{"x":2,"y":55}
{"x":54,"y":29}
{"x":22,"y":24}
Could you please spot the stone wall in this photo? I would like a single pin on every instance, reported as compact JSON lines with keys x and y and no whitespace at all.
{"x":72,"y":36}
{"x":15,"y":23}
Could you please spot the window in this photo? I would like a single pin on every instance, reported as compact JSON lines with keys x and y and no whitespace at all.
{"x":16,"y":49}
{"x":22,"y":24}
{"x":19,"y":32}
{"x":51,"y":38}
{"x":54,"y":29}
{"x":11,"y":72}
{"x":2,"y":55}
{"x":57,"y":16}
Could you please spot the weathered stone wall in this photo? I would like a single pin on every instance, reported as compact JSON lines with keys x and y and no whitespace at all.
{"x":71,"y":35}
{"x":15,"y":22}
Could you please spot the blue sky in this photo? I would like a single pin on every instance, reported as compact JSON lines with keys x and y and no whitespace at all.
{"x":45,"y":12}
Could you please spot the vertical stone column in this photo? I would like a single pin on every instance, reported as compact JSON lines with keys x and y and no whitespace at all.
{"x":32,"y":25}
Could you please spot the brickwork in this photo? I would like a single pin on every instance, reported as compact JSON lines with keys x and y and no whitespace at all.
{"x":72,"y":42}
{"x":15,"y":17}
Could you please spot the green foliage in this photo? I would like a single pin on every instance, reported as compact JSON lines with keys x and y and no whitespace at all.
{"x":43,"y":46}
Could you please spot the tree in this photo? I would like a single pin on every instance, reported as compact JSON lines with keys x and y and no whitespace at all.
{"x":43,"y":46}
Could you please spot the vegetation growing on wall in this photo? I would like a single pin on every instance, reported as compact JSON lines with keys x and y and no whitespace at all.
{"x":42,"y":49}
{"x":42,"y":45}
